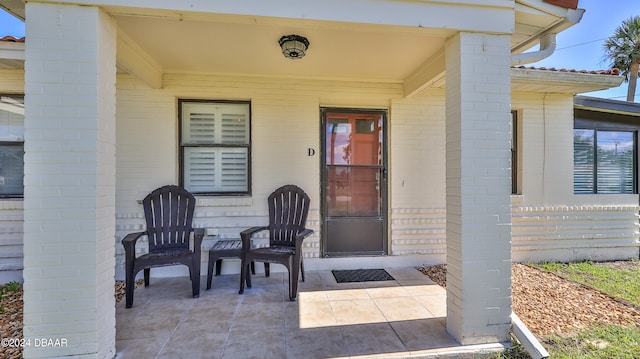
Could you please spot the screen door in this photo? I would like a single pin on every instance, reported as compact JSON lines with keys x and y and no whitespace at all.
{"x":354,"y":176}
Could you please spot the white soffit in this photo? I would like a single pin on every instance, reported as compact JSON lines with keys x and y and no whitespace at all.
{"x":536,"y":80}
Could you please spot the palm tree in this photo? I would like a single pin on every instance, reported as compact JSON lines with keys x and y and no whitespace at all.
{"x":623,"y":50}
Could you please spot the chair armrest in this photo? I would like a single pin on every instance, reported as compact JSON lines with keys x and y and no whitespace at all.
{"x":246,"y":236}
{"x":301,"y":236}
{"x":304,"y":233}
{"x":198,"y":236}
{"x":129,"y":242}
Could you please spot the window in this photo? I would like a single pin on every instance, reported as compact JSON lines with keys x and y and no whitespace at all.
{"x":604,"y":161}
{"x":515,"y":153}
{"x":214,"y":146}
{"x":11,"y":146}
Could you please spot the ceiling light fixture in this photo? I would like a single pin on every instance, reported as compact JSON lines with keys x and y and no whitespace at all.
{"x":294,"y":46}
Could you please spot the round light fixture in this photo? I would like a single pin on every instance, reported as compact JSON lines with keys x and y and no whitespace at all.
{"x":294,"y":46}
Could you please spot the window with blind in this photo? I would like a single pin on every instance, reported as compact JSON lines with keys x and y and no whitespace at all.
{"x":215,"y":146}
{"x":604,"y":161}
{"x":11,"y":146}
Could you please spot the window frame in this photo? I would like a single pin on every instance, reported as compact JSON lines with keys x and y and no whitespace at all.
{"x":620,"y":125}
{"x":14,"y":144}
{"x":247,"y":146}
{"x":516,"y":152}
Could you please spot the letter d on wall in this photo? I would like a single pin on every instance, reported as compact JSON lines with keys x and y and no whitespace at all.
{"x":310,"y":152}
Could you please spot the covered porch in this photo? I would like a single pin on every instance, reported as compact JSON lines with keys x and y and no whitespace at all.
{"x":103,"y":81}
{"x":402,"y":318}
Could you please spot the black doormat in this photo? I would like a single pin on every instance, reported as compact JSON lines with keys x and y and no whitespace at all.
{"x":361,"y":275}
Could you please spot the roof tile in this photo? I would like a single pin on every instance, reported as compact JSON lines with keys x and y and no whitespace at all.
{"x":12,"y":39}
{"x":612,"y":72}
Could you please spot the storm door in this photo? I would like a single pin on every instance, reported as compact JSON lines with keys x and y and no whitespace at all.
{"x":354,"y":182}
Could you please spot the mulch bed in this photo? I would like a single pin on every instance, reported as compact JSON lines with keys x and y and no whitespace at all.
{"x":549,"y":304}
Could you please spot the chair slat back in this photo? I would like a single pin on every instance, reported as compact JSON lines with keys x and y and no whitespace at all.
{"x":168,"y":211}
{"x":288,"y":210}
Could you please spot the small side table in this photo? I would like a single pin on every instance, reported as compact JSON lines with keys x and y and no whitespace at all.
{"x":226,"y":248}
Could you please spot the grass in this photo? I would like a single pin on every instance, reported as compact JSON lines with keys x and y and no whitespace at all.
{"x":620,"y":282}
{"x":515,"y":352}
{"x":606,"y":341}
{"x":7,"y":288}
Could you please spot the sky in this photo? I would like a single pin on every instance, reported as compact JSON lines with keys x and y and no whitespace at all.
{"x":579,"y":47}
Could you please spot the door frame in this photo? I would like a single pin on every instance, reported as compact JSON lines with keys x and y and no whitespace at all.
{"x":384,"y":183}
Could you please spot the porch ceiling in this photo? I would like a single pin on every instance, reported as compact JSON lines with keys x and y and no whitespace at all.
{"x":152,"y":42}
{"x":249,"y":46}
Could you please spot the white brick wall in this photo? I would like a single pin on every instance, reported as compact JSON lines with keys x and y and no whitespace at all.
{"x":417,"y":178}
{"x":417,"y":151}
{"x":147,"y":138}
{"x":285,"y":124}
{"x":11,"y":253}
{"x":12,"y":81}
{"x":69,"y":204}
{"x":573,"y":233}
{"x":11,"y":219}
{"x":547,"y":147}
{"x":549,"y":221}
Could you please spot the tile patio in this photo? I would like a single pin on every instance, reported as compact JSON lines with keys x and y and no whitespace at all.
{"x":403,"y":318}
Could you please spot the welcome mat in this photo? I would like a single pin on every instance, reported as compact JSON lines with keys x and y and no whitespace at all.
{"x":361,"y":275}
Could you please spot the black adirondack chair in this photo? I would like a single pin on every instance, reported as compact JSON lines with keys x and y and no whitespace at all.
{"x":168,"y":211}
{"x":288,"y":210}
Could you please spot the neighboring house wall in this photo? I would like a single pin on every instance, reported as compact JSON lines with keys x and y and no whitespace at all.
{"x":550,"y":222}
{"x":11,"y":251}
{"x":11,"y":219}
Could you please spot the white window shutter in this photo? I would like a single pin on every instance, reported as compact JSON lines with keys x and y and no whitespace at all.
{"x":200,"y":168}
{"x":233,"y":174}
{"x":202,"y":127}
{"x":234,"y":128}
{"x":215,"y":139}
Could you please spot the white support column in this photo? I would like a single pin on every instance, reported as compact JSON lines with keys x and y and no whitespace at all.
{"x":69,"y":200}
{"x":478,"y":188}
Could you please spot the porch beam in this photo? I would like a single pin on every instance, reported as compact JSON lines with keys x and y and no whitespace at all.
{"x":494,"y":16}
{"x":431,"y":71}
{"x":131,"y":58}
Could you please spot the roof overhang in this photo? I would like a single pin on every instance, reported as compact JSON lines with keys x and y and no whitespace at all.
{"x":522,"y":79}
{"x":606,"y":105}
{"x":11,"y":54}
{"x":557,"y":81}
{"x":400,"y":42}
{"x":13,"y":7}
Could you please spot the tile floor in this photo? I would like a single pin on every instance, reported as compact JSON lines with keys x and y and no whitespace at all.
{"x":403,"y":318}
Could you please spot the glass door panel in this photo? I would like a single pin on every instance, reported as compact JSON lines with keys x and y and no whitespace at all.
{"x":353,"y":191}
